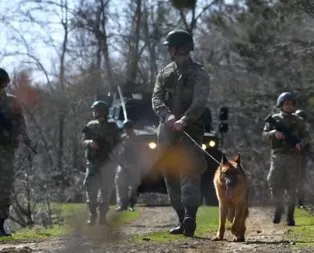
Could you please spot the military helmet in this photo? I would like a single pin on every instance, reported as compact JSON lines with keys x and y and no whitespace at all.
{"x":301,"y":114}
{"x":100,"y":106}
{"x":127,"y":124}
{"x":284,"y":97}
{"x":4,"y":77}
{"x":179,"y":38}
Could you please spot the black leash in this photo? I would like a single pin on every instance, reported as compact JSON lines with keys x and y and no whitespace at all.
{"x":199,"y":146}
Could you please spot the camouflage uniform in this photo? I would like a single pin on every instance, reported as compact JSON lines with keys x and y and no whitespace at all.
{"x":182,"y":91}
{"x":100,"y":168}
{"x":10,"y":109}
{"x":285,"y":162}
{"x":128,"y":176}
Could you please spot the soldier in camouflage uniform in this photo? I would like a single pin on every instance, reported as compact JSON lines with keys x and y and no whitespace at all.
{"x":100,"y":136}
{"x":9,"y":139}
{"x":304,"y":160}
{"x":128,"y":176}
{"x":285,"y":160}
{"x":179,"y":100}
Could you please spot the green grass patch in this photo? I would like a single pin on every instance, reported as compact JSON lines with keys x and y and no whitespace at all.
{"x":207,"y":223}
{"x":35,"y":234}
{"x":123,"y":218}
{"x":303,"y":233}
{"x":69,"y":216}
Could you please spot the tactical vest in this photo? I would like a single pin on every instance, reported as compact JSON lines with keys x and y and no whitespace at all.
{"x":105,"y":137}
{"x":292,"y":122}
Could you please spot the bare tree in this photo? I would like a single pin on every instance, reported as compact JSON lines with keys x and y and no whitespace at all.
{"x":65,"y":26}
{"x":93,"y":18}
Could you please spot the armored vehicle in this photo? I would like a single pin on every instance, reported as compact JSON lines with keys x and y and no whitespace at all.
{"x":139,"y":109}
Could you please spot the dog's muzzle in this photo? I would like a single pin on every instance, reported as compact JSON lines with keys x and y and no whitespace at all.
{"x":230,"y":184}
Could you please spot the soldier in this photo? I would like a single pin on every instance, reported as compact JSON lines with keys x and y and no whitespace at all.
{"x":128,"y":176}
{"x":179,"y":100}
{"x":12,"y":132}
{"x":285,"y":160}
{"x":304,"y":159}
{"x":100,"y":136}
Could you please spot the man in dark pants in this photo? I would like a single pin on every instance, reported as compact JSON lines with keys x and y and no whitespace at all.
{"x":179,"y":100}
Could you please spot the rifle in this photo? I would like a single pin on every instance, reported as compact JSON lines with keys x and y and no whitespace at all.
{"x":8,"y":126}
{"x":289,"y":137}
{"x":103,"y":145}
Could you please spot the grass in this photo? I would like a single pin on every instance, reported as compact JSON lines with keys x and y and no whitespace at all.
{"x":70,"y":216}
{"x":303,"y":233}
{"x":207,"y":223}
{"x":125,"y":218}
{"x":207,"y":220}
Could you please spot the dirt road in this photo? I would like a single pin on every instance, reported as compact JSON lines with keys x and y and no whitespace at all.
{"x":262,"y":236}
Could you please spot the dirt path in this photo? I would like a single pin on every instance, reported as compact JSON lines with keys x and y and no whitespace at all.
{"x":262,"y":236}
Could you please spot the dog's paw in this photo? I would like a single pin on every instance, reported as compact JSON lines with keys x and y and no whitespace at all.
{"x":217,"y":238}
{"x":238,"y":239}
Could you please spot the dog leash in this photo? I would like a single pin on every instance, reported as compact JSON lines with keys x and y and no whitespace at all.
{"x":199,"y":146}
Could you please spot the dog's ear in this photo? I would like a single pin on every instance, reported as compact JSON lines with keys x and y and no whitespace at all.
{"x":237,"y":158}
{"x":224,"y":159}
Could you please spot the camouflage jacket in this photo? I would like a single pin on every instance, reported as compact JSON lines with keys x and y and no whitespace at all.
{"x":297,"y":127}
{"x":12,"y":122}
{"x":105,"y":134}
{"x":182,"y":91}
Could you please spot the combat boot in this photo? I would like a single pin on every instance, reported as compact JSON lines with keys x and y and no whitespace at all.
{"x":301,"y":203}
{"x":122,"y":207}
{"x":290,"y":216}
{"x":189,"y":222}
{"x":91,"y":219}
{"x":132,"y":204}
{"x":189,"y":226}
{"x":92,"y":215}
{"x":2,"y":230}
{"x":179,"y":228}
{"x":278,"y":213}
{"x":3,"y":233}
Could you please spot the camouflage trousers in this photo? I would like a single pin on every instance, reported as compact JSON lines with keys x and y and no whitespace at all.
{"x":7,"y":174}
{"x":182,"y":173}
{"x":283,"y":177}
{"x":99,"y":184}
{"x":182,"y":164}
{"x":127,"y":181}
{"x":184,"y":192}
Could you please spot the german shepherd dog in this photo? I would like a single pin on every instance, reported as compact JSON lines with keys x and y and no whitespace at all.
{"x":232,"y":192}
